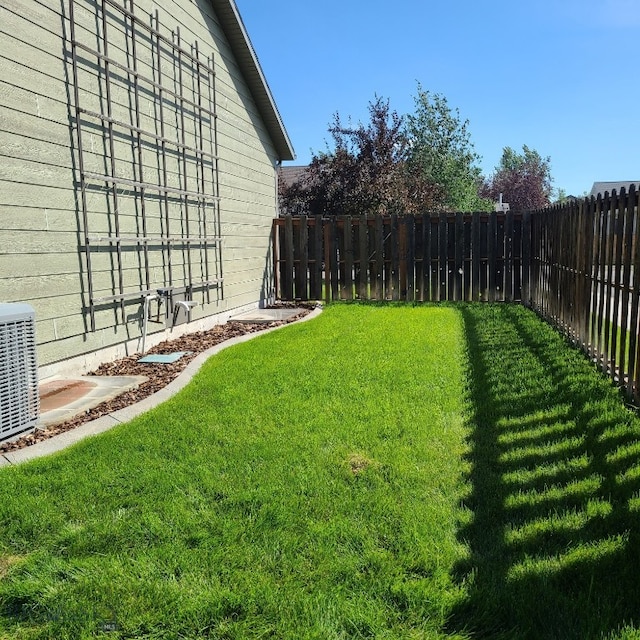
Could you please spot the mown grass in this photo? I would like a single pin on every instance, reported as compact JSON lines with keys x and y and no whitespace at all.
{"x":554,"y":541}
{"x":307,"y":484}
{"x":382,"y":471}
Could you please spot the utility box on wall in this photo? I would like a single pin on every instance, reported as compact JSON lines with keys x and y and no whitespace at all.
{"x":19,"y":400}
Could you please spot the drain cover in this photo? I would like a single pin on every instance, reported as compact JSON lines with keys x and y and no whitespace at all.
{"x":164,"y":358}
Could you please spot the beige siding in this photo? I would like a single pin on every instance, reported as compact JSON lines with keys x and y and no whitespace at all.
{"x":42,"y":260}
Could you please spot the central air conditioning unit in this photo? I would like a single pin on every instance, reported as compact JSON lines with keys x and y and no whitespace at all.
{"x":19,"y":399}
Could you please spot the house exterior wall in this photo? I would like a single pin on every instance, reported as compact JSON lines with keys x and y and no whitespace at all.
{"x":42,"y":257}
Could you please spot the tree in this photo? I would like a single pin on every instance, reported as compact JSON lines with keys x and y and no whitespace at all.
{"x":523,"y":179}
{"x":365,"y":173}
{"x":440,"y":149}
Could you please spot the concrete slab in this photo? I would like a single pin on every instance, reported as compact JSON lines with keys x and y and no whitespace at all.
{"x":264,"y":316}
{"x":63,"y":398}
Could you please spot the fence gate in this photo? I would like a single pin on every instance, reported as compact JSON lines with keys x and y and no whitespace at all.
{"x":147,"y":158}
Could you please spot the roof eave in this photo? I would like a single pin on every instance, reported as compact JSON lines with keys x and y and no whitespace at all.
{"x":233,"y":27}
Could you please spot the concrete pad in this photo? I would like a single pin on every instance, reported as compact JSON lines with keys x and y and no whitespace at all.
{"x":264,"y":316}
{"x":64,"y":398}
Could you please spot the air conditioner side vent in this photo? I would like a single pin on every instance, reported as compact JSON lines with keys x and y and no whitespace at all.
{"x":19,"y":400}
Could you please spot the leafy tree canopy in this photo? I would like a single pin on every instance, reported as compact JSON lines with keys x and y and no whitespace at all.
{"x":418,"y":163}
{"x":441,"y":148}
{"x":365,"y":173}
{"x":523,"y":179}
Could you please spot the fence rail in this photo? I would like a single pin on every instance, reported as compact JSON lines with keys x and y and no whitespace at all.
{"x":577,"y":264}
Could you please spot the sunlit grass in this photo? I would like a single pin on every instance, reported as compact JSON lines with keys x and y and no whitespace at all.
{"x":519,"y":435}
{"x":557,"y":522}
{"x":306,"y":484}
{"x":576,"y":558}
{"x":559,"y":447}
{"x":628,"y":451}
{"x":582,"y":488}
{"x":630,"y":475}
{"x":545,"y":472}
{"x":347,"y":478}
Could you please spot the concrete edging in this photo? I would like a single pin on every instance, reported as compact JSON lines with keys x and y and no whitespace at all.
{"x":104,"y":423}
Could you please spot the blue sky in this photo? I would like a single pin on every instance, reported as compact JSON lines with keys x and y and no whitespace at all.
{"x":560,"y":76}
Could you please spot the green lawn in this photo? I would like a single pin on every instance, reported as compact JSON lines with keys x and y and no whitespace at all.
{"x":307,"y":484}
{"x":555,"y":457}
{"x":453,"y":471}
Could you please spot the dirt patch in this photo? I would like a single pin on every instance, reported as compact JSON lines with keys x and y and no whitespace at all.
{"x":6,"y":562}
{"x":159,"y":375}
{"x":358,"y":463}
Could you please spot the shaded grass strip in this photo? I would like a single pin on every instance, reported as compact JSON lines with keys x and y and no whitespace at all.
{"x":555,"y":542}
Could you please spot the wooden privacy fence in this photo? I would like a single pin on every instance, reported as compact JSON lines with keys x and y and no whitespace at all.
{"x":577,"y":264}
{"x":585,"y":279}
{"x":412,"y":258}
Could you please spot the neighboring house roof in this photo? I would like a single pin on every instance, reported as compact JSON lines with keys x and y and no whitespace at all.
{"x":291,"y":175}
{"x":601,"y":187}
{"x":234,"y":29}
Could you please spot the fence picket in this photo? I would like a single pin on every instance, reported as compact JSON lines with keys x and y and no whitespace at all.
{"x":525,"y":264}
{"x":475,"y":257}
{"x":625,"y":283}
{"x":334,"y":258}
{"x":316,"y":270}
{"x":289,"y":267}
{"x":634,"y":332}
{"x":363,"y":258}
{"x":491,"y":256}
{"x":328,"y":262}
{"x":411,"y":258}
{"x":617,"y":278}
{"x":402,"y":259}
{"x":379,"y":277}
{"x":442,"y":257}
{"x":458,"y":270}
{"x":393,"y":292}
{"x":302,"y":250}
{"x":508,"y":256}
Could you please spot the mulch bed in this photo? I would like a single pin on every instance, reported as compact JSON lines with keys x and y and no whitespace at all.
{"x":159,"y":375}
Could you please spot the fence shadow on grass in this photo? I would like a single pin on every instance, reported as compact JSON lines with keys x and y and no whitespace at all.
{"x":554,"y":488}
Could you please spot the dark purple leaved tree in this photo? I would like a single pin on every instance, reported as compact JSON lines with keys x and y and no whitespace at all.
{"x":365,"y":173}
{"x":524,"y":180}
